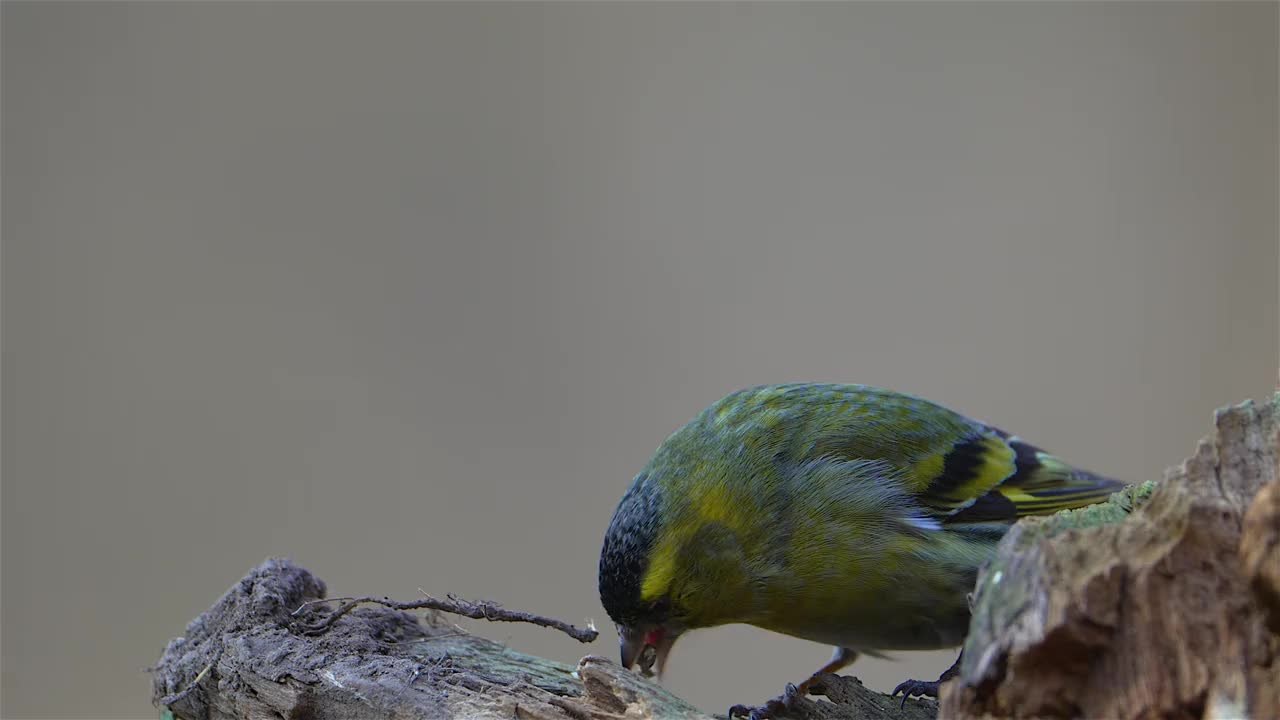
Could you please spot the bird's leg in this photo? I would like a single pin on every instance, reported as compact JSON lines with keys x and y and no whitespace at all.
{"x":924,"y":687}
{"x":841,"y":658}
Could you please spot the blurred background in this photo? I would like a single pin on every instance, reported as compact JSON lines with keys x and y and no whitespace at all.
{"x":409,"y":292}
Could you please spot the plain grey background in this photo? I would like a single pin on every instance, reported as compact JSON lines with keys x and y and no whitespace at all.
{"x":409,"y":292}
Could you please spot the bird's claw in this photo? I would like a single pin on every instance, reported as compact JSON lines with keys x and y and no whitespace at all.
{"x":915,"y":687}
{"x":771,"y":709}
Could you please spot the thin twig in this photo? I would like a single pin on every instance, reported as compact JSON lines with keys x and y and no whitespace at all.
{"x":483,"y":610}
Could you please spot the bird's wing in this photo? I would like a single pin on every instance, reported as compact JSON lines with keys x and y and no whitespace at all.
{"x":958,"y":470}
{"x":1039,"y":484}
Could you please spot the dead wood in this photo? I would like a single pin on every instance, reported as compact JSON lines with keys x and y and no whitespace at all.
{"x":1161,"y":612}
{"x":267,"y":650}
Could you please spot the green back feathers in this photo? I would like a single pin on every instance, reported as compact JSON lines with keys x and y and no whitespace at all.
{"x":958,"y":469}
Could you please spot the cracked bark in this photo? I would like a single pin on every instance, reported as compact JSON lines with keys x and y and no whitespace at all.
{"x":1167,"y":611}
{"x":1162,"y":603}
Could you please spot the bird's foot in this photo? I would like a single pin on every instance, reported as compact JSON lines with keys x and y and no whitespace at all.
{"x":772,"y":709}
{"x":926,"y":687}
{"x":909,"y":688}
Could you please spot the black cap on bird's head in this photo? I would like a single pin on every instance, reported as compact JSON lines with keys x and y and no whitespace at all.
{"x":624,"y":559}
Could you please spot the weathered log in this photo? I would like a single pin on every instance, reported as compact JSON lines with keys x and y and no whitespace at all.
{"x":252,"y":655}
{"x":1161,"y":612}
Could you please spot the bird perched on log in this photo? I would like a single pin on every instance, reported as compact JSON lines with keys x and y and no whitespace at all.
{"x":845,"y":514}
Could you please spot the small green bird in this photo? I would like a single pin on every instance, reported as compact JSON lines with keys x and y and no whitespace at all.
{"x":845,"y":514}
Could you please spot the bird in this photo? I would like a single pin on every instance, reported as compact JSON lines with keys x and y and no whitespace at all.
{"x":850,"y":515}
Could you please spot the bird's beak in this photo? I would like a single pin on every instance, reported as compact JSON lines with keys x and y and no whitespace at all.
{"x":631,"y":642}
{"x":646,"y":646}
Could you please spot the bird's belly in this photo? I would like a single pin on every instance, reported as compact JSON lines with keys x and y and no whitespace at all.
{"x":907,"y":636}
{"x":885,"y":622}
{"x":838,"y":587}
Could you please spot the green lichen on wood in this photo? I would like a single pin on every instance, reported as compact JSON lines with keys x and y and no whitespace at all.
{"x":1005,"y":588}
{"x":1114,"y":510}
{"x":1031,"y":530}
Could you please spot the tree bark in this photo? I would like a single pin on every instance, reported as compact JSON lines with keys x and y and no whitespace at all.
{"x":1168,"y":611}
{"x":1162,"y":603}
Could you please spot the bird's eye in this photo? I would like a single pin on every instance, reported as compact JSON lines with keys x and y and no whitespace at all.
{"x":661,"y":607}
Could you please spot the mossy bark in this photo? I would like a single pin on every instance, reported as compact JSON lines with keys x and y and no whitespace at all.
{"x":1155,"y":605}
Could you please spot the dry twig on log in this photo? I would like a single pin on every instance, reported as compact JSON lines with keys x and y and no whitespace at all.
{"x":482,"y":610}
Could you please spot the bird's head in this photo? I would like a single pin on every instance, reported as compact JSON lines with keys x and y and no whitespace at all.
{"x":665,"y":569}
{"x":647,"y":625}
